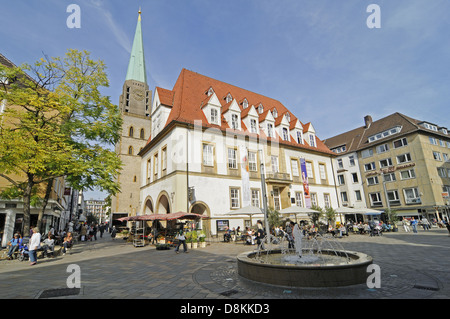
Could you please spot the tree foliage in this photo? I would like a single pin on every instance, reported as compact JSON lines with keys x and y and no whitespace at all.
{"x":57,"y":123}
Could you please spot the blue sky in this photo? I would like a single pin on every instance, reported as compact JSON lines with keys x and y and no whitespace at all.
{"x":317,"y":57}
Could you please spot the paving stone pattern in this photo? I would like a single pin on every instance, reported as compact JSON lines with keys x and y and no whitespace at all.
{"x":412,"y":266}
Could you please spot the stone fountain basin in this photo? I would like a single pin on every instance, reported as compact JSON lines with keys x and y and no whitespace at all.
{"x":305,"y":275}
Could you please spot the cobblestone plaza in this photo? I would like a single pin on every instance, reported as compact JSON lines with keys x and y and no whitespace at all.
{"x":412,"y":266}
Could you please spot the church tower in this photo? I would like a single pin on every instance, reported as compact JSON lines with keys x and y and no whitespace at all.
{"x":134,"y":104}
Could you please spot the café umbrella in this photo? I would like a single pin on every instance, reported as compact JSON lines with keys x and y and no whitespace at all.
{"x":248,"y":210}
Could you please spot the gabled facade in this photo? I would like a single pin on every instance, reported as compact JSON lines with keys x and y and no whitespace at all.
{"x":198,"y":164}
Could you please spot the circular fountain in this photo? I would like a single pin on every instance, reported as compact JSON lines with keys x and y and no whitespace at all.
{"x":306,"y":262}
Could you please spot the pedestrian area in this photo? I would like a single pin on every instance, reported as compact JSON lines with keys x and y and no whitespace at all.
{"x":412,"y":266}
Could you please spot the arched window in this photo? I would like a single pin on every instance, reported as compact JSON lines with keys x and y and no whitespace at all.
{"x":142,"y":133}
{"x":130,"y":150}
{"x":131,"y":132}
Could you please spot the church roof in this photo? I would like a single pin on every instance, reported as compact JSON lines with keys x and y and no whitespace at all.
{"x":136,"y":66}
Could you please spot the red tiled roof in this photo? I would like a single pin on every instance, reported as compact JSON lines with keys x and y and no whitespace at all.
{"x":188,"y":96}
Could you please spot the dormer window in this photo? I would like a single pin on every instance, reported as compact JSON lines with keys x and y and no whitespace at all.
{"x":210,"y":91}
{"x":245,"y":104}
{"x":228,"y":98}
{"x":234,"y":121}
{"x":299,"y":137}
{"x":288,"y":117}
{"x":285,"y":134}
{"x":275,"y":113}
{"x":312,"y":140}
{"x":260,"y":109}
{"x":269,"y":130}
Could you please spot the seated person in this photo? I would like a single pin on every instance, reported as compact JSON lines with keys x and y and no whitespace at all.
{"x":67,"y":243}
{"x":49,"y":244}
{"x":14,"y":244}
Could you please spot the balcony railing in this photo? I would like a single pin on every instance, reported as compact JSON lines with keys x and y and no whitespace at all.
{"x":278,"y":177}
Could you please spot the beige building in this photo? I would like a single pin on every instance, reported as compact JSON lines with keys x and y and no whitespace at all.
{"x":11,"y":210}
{"x":404,"y":164}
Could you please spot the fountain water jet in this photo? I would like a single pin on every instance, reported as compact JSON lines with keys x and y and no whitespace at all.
{"x":319,"y":261}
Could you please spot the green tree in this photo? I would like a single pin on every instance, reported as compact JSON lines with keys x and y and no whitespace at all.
{"x":57,"y":123}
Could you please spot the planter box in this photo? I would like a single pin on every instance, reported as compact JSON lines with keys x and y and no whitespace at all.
{"x":194,"y":245}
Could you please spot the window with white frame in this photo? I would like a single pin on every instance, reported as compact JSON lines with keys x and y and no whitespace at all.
{"x":375,"y":199}
{"x":393,"y":197}
{"x":382,"y":148}
{"x":344,"y":197}
{"x":285,"y":134}
{"x":253,"y":126}
{"x":372,"y":180}
{"x":312,"y":140}
{"x":340,"y":163}
{"x":314,"y":199}
{"x":437,"y":156}
{"x":208,"y":155}
{"x":341,"y":179}
{"x":412,"y":195}
{"x":299,"y":199}
{"x":322,"y":172}
{"x":400,"y":143}
{"x":386,"y":162}
{"x":404,"y":158}
{"x":234,"y":121}
{"x":358,"y":195}
{"x":294,"y":167}
{"x":232,"y":156}
{"x":327,"y":200}
{"x":260,"y":109}
{"x":274,"y":163}
{"x":299,"y":137}
{"x":355,"y":177}
{"x":433,"y":140}
{"x":351,"y":160}
{"x":269,"y":130}
{"x":407,"y":174}
{"x":275,"y":113}
{"x":255,"y":197}
{"x":367,"y":153}
{"x":309,"y":170}
{"x":446,"y":158}
{"x":369,"y":166}
{"x":234,"y":197}
{"x":252,"y":162}
{"x":214,"y":116}
{"x":390,"y":177}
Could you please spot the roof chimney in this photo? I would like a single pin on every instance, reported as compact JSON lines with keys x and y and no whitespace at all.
{"x":367,"y":121}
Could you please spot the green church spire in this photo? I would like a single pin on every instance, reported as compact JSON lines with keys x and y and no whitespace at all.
{"x":136,"y":66}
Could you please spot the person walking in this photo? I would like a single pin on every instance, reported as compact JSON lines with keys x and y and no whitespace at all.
{"x":102,"y":229}
{"x":35,"y":244}
{"x":405,"y":224}
{"x":181,"y":240}
{"x":414,"y":225}
{"x":113,"y":232}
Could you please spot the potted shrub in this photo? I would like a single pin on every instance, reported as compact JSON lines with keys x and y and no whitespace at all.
{"x":188,"y":240}
{"x":194,"y":239}
{"x":202,"y":239}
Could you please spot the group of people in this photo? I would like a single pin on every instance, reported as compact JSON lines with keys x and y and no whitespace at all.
{"x":35,"y":243}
